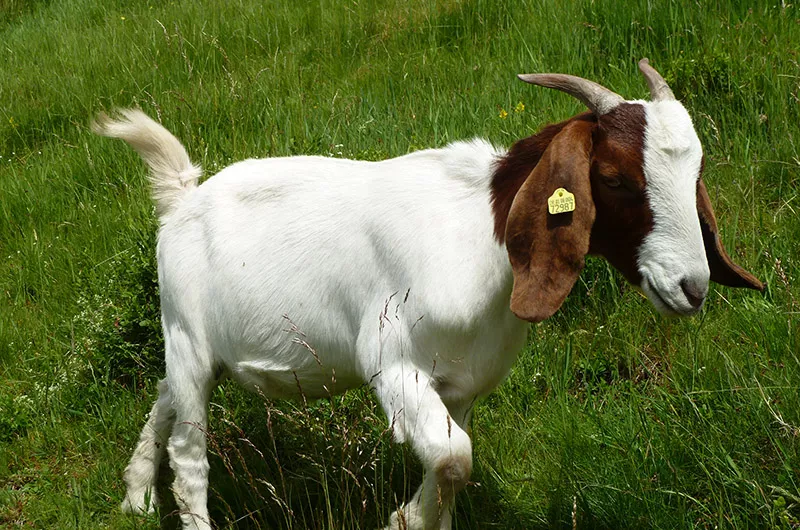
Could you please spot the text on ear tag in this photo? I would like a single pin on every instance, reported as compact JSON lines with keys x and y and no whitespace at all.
{"x":561,"y":201}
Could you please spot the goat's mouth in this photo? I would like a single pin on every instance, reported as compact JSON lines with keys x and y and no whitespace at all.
{"x":662,"y":301}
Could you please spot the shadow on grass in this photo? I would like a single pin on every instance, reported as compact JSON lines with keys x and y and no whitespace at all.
{"x":327,"y":464}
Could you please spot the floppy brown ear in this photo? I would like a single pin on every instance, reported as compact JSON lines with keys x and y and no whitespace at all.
{"x":547,"y":250}
{"x":723,"y":270}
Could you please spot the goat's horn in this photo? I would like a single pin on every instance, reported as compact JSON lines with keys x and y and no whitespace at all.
{"x":659,"y":89}
{"x":598,"y":98}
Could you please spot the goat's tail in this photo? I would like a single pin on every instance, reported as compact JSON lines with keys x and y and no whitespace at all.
{"x":172,"y":174}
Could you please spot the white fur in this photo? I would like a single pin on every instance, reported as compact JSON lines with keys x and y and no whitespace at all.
{"x":673,"y":252}
{"x":172,"y":173}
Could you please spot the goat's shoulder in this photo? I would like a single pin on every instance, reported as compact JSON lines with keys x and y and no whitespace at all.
{"x":467,"y":161}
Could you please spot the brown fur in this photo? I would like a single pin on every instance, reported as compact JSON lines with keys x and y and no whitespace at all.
{"x":546,"y":251}
{"x":601,"y":161}
{"x":624,"y":216}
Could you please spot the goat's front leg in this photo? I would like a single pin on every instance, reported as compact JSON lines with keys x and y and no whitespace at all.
{"x":419,"y":417}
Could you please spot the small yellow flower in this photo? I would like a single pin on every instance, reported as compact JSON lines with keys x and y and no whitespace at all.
{"x":519,"y":108}
{"x":122,"y":18}
{"x":503,"y":113}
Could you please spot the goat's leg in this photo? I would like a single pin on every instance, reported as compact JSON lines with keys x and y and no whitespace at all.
{"x":419,"y":417}
{"x":191,"y":381}
{"x":142,"y":472}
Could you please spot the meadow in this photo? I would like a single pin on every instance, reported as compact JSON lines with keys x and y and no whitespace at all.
{"x":613,"y":417}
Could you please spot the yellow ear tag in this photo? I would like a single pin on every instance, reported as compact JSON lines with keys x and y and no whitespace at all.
{"x":561,"y":201}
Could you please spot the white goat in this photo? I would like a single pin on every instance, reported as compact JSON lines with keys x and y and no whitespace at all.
{"x":455,"y":233}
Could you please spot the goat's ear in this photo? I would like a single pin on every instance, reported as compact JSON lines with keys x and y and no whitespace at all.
{"x":547,"y":250}
{"x":723,"y":270}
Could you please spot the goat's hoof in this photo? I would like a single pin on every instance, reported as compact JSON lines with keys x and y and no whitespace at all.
{"x":406,"y":518}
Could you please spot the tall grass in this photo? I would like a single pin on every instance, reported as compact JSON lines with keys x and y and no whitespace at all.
{"x":613,"y":418}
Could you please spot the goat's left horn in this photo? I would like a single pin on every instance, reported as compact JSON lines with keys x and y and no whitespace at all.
{"x":597,"y":98}
{"x":659,"y":89}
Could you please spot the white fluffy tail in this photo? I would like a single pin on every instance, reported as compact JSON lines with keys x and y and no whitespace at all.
{"x":172,"y":174}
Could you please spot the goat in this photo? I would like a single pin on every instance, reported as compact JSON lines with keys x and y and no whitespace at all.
{"x":463,"y":231}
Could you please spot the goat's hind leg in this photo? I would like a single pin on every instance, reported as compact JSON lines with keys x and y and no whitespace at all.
{"x":191,"y":380}
{"x":142,"y":471}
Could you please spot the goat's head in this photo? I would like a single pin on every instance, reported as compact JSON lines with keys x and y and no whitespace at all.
{"x":634,"y":169}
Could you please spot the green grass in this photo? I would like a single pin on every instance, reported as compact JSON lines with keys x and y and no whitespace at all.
{"x":614,"y":416}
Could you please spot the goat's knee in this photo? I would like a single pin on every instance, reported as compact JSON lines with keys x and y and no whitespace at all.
{"x":447,"y":456}
{"x":453,"y":472}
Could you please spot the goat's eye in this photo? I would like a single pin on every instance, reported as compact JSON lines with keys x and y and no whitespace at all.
{"x":611,"y":182}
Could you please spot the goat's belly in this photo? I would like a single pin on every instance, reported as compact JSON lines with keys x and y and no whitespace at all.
{"x":273,"y":380}
{"x":253,"y":335}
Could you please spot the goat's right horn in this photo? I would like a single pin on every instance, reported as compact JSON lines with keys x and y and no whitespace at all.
{"x":659,"y":89}
{"x":597,"y":98}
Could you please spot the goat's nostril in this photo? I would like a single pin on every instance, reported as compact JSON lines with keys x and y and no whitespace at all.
{"x":695,"y":293}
